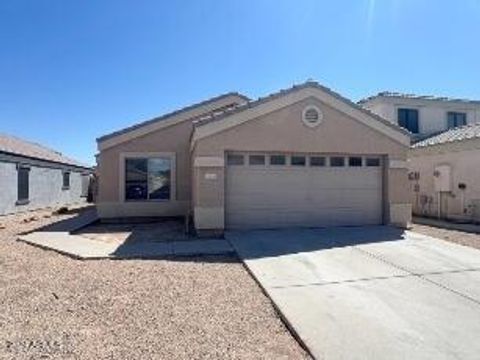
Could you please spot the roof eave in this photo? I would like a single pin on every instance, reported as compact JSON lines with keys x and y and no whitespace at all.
{"x":78,"y":166}
{"x":168,"y":115}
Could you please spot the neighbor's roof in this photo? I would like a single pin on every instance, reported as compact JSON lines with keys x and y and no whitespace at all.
{"x":308,"y":84}
{"x":169,"y":115}
{"x":466,"y":132}
{"x":391,"y":94}
{"x":13,"y":145}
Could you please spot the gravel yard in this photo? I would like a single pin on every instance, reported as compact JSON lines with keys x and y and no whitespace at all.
{"x":54,"y":307}
{"x":459,"y":237}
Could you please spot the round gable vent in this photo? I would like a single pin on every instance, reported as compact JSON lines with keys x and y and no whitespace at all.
{"x":312,"y":116}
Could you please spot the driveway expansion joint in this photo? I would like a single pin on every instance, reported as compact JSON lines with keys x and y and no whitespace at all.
{"x":422,"y":275}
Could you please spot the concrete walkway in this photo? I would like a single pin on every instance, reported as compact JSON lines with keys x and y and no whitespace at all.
{"x":370,"y":292}
{"x":58,"y":237}
{"x":80,"y":247}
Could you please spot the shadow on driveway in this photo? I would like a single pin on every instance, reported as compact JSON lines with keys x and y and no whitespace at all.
{"x":277,"y":242}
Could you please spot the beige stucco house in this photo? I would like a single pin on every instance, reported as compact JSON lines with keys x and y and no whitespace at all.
{"x":445,"y":173}
{"x":304,"y":156}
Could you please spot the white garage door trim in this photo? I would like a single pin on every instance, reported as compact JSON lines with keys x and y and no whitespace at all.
{"x":296,"y":193}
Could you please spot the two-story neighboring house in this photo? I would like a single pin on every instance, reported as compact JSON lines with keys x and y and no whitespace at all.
{"x":423,"y":116}
{"x":444,"y":160}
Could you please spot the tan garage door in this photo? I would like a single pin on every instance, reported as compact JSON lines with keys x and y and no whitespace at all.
{"x":277,"y":190}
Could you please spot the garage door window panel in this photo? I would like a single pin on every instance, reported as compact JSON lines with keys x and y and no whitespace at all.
{"x":355,"y":161}
{"x":317,"y":161}
{"x":235,"y":159}
{"x":298,"y":160}
{"x":256,"y":160}
{"x":337,"y":161}
{"x":278,"y":160}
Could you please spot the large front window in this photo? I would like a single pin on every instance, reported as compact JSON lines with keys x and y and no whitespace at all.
{"x":148,"y":178}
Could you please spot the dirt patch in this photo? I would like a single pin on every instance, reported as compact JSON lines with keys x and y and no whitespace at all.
{"x":204,"y":307}
{"x":455,"y":236}
{"x":160,"y":231}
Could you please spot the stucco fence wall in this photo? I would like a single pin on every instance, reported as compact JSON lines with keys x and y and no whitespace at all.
{"x":457,"y":204}
{"x":45,"y":188}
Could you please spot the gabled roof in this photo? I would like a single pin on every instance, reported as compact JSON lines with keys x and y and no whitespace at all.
{"x":234,"y":110}
{"x":398,"y":95}
{"x":170,"y":115}
{"x":466,"y":132}
{"x":15,"y":146}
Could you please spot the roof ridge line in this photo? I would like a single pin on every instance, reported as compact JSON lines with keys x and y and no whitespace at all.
{"x":309,"y":83}
{"x":396,"y":94}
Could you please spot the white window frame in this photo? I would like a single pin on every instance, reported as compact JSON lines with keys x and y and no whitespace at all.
{"x":142,"y":155}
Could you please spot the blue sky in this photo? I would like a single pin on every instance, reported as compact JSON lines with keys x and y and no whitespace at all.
{"x":71,"y":71}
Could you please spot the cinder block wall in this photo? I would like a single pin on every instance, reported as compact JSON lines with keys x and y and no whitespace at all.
{"x":45,"y":188}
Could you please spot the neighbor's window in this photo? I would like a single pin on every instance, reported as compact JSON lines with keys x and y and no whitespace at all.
{"x":66,"y":180}
{"x":256,"y":159}
{"x":278,"y":160}
{"x":23,"y":180}
{"x":408,"y":119}
{"x":298,"y":160}
{"x":373,"y":162}
{"x":148,"y":179}
{"x":456,"y":119}
{"x":317,"y":161}
{"x":235,"y":159}
{"x":354,"y":161}
{"x":337,"y":161}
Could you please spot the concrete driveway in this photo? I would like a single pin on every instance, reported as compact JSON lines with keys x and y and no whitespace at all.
{"x":370,"y":292}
